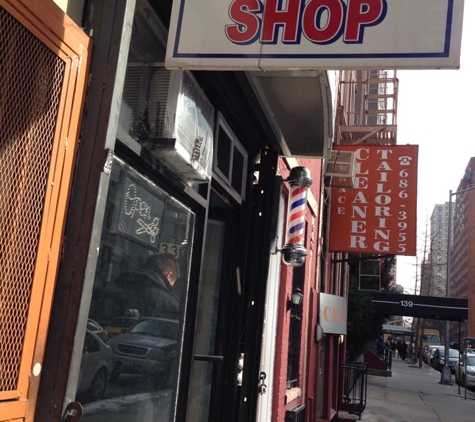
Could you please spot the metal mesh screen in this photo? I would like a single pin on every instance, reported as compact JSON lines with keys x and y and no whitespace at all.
{"x":31,"y":77}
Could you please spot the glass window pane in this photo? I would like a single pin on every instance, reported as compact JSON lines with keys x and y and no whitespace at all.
{"x":223,"y":147}
{"x":238,"y":171}
{"x":139,"y":296}
{"x":206,"y":324}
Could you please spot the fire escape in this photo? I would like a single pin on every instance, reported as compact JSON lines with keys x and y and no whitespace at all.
{"x":366,"y":114}
{"x":366,"y":108}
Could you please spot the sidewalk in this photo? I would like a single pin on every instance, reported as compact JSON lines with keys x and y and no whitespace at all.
{"x":415,"y":394}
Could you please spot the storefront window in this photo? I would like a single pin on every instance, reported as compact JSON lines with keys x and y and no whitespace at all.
{"x":133,"y":343}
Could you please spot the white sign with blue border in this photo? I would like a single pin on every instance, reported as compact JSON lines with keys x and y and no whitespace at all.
{"x":314,"y":34}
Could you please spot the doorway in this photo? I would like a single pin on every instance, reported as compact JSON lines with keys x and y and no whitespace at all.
{"x":216,"y":351}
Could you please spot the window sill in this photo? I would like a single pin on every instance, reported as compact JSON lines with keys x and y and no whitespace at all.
{"x":292,"y":393}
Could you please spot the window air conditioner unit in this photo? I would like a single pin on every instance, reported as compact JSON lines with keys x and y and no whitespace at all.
{"x":341,"y":169}
{"x":296,"y":414}
{"x":168,"y":114}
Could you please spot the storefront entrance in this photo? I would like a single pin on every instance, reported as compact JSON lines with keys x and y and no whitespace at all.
{"x":209,"y":353}
{"x":134,"y":336}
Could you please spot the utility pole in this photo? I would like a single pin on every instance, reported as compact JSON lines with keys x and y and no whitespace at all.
{"x":426,"y":267}
{"x":420,"y":331}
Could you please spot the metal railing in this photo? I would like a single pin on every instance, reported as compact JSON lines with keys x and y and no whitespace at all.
{"x":354,"y":387}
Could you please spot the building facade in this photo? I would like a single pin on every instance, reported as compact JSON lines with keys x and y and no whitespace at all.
{"x":439,"y":225}
{"x":162,"y":294}
{"x":463,"y":251}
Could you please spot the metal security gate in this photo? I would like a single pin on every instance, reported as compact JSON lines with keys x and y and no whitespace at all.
{"x":43,"y":64}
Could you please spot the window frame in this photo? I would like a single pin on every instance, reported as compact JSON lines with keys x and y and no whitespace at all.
{"x":225,"y":180}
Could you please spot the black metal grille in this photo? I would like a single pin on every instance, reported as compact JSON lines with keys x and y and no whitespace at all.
{"x":128,"y":349}
{"x":296,"y":414}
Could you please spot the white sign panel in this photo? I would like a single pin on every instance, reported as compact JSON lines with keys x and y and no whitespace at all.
{"x":333,"y":313}
{"x":314,"y":34}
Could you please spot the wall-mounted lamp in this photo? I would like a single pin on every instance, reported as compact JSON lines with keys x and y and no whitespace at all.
{"x":318,"y":333}
{"x":294,"y":252}
{"x":295,"y":299}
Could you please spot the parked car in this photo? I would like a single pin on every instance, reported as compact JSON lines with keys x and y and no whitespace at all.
{"x":460,"y":372}
{"x":97,"y":330}
{"x":96,"y":368}
{"x":147,"y":349}
{"x":438,"y":359}
{"x":429,"y":352}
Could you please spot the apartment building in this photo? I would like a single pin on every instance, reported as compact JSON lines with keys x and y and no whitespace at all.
{"x":462,"y":274}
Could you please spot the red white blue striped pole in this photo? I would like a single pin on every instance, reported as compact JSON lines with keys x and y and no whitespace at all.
{"x":294,"y":251}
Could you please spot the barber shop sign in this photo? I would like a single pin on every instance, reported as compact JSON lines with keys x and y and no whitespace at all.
{"x":314,"y":34}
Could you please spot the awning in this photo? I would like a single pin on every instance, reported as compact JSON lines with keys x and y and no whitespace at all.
{"x":449,"y":309}
{"x":298,"y":105}
{"x":396,"y":330}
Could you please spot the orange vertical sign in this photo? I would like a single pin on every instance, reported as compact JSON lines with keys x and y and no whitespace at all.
{"x":379,"y":214}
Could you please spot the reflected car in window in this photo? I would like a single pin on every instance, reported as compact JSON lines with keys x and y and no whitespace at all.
{"x":97,"y":330}
{"x":120,"y":325}
{"x":148,"y":349}
{"x":96,"y":367}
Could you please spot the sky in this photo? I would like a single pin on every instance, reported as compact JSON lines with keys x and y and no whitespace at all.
{"x":436,"y":112}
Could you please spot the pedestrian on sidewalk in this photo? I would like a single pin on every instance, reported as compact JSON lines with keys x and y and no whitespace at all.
{"x":393,"y":348}
{"x":403,"y":352}
{"x":380,"y":347}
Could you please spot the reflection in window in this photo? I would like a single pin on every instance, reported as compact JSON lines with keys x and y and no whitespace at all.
{"x":139,"y":295}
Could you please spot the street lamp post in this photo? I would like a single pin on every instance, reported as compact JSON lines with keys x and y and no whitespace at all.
{"x":445,"y":375}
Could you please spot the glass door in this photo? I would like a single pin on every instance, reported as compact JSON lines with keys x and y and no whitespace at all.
{"x":217,"y":300}
{"x":206,"y":324}
{"x":133,"y":346}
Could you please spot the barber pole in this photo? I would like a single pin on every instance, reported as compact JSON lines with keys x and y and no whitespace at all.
{"x":298,"y":199}
{"x":294,"y":250}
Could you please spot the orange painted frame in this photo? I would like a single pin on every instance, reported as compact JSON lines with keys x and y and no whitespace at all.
{"x":57,"y":31}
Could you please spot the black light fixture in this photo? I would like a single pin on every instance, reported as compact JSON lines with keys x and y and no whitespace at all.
{"x":295,"y":299}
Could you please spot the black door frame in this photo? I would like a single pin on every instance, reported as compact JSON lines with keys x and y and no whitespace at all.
{"x":264,"y":217}
{"x":107,"y":25}
{"x":227,"y":338}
